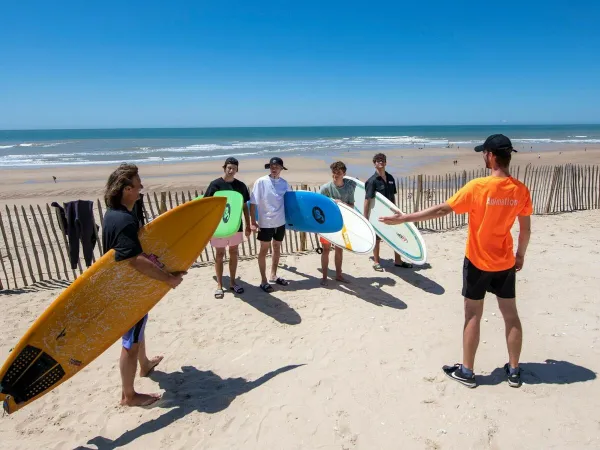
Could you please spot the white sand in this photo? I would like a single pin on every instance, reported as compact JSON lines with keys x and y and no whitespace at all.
{"x":369,"y":353}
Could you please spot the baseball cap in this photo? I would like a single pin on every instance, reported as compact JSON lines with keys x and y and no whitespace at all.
{"x":275,"y":160}
{"x":496,"y":143}
{"x":231,"y":160}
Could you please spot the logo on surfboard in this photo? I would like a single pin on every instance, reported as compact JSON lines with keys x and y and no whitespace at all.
{"x":227,"y":213}
{"x":318,"y":215}
{"x":403,"y":238}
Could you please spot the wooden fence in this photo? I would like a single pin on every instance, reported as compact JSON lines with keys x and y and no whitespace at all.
{"x":35,"y":250}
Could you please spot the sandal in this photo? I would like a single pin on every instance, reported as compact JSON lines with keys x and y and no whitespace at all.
{"x":266,"y":288}
{"x":280,"y":281}
{"x":237,"y":289}
{"x":404,"y":265}
{"x":378,"y":267}
{"x":219,"y":293}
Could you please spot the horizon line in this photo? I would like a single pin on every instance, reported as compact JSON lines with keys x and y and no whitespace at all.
{"x":295,"y":126}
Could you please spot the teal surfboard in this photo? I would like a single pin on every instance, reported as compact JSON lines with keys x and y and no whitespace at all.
{"x":232,"y":216}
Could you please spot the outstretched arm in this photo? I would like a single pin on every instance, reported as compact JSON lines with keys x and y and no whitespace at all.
{"x":434,"y":212}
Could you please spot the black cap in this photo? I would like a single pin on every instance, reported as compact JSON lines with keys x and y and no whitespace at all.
{"x":231,"y":160}
{"x":275,"y":160}
{"x":496,"y":143}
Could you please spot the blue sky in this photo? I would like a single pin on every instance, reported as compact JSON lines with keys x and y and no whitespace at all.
{"x":109,"y":64}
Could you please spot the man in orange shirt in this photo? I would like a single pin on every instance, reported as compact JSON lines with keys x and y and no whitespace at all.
{"x":493,"y":203}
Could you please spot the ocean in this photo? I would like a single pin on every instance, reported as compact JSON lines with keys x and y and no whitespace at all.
{"x":27,"y":148}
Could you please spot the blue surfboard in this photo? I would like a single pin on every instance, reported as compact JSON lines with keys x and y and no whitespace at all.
{"x":310,"y":212}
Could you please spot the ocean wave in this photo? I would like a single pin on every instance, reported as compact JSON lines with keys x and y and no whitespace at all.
{"x":77,"y":161}
{"x":534,"y":141}
{"x":113,"y":152}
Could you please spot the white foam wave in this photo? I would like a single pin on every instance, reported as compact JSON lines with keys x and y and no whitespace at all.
{"x":6,"y":146}
{"x":78,"y":161}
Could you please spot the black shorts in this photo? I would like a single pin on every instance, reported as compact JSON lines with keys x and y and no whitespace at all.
{"x":269,"y":234}
{"x":477,"y":282}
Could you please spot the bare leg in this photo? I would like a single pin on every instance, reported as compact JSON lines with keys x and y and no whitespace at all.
{"x":147,"y":365}
{"x":397,"y":258}
{"x":233,"y":262}
{"x":339,"y":257}
{"x":325,"y":263}
{"x":376,"y":252}
{"x":471,"y":331}
{"x":128,"y":366}
{"x":514,"y":332}
{"x":262,"y":261}
{"x":220,"y":255}
{"x":275,"y":259}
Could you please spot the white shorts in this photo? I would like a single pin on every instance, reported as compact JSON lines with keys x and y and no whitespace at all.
{"x":230,"y":241}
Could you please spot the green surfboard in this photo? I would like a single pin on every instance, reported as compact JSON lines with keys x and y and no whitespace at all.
{"x":232,"y":216}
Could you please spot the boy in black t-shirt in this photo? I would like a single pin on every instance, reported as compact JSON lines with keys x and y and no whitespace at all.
{"x":120,"y":233}
{"x":384,"y":183}
{"x":228,"y":182}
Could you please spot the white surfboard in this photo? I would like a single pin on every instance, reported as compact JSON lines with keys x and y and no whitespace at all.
{"x":405,"y":239}
{"x":357,"y":235}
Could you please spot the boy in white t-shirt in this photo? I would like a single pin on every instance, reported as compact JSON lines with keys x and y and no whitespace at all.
{"x":267,"y":196}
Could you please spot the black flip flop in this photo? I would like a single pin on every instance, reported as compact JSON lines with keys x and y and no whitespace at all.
{"x":281,"y":281}
{"x":266,"y":288}
{"x":237,"y":289}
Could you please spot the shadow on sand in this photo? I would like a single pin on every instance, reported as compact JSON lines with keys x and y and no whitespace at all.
{"x":43,"y":285}
{"x":264,"y":302}
{"x":366,"y":289}
{"x":188,"y":391}
{"x":413,"y":277}
{"x":548,"y":372}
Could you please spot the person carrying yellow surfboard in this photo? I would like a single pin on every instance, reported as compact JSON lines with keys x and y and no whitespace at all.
{"x":120,"y":232}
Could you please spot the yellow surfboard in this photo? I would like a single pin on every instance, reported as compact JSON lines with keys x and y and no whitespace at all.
{"x":102,"y":304}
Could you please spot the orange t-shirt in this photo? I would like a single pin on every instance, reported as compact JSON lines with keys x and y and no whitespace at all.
{"x":493,"y":204}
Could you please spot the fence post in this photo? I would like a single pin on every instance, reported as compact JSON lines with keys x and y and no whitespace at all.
{"x":163,"y":203}
{"x":552,"y":189}
{"x":304,"y":187}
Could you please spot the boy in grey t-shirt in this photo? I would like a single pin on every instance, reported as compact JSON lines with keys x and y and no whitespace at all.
{"x":339,"y":190}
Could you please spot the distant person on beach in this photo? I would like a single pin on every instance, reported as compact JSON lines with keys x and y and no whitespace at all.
{"x":267,"y":198}
{"x":384,"y":183}
{"x":228,"y":182}
{"x":340,"y":190}
{"x":120,"y":232}
{"x":493,"y":204}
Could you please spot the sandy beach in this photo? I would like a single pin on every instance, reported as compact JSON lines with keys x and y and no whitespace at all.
{"x":352,"y":366}
{"x":36,"y":185}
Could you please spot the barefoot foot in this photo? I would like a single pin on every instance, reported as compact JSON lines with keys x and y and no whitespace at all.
{"x":324,"y":282}
{"x":140,"y":399}
{"x":147,"y":368}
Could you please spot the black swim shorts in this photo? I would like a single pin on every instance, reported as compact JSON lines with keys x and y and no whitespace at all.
{"x":477,"y":282}
{"x":269,"y":234}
